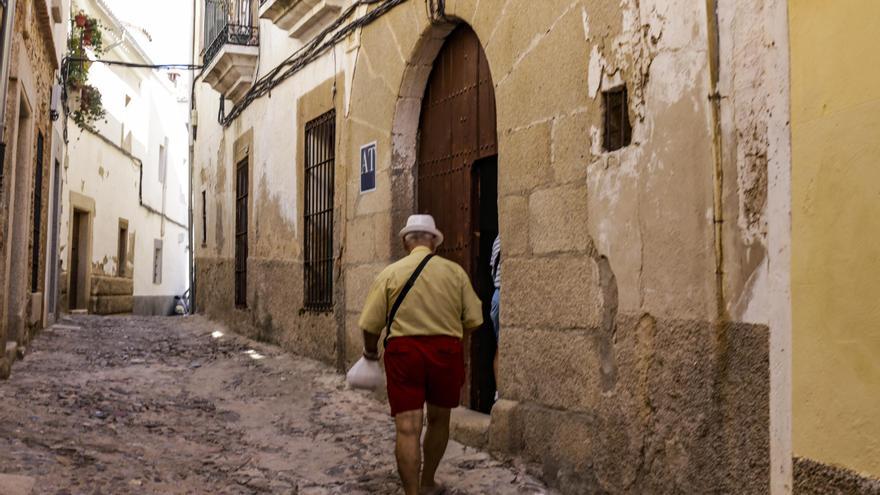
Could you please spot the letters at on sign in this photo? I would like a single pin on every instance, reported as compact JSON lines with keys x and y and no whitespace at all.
{"x":368,"y":167}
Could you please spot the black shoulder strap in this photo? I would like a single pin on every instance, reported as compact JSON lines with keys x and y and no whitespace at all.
{"x":495,"y":265}
{"x":402,"y":296}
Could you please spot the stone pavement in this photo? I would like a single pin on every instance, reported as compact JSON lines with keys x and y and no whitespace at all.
{"x":180,"y":406}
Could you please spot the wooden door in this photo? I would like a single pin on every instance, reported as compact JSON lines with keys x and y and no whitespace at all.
{"x":457,"y":128}
{"x":73,"y":293}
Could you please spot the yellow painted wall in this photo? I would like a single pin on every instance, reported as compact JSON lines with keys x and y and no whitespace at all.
{"x":836,"y":231}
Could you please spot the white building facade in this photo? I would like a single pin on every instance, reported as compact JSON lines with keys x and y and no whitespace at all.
{"x":125,"y":215}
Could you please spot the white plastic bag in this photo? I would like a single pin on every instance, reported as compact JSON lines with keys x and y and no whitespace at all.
{"x":365,"y":374}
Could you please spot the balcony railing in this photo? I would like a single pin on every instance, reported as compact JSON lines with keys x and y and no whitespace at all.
{"x":232,"y":34}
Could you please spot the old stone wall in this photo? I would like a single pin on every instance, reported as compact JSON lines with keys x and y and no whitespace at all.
{"x":32,"y":67}
{"x":629,"y":363}
{"x":619,"y":373}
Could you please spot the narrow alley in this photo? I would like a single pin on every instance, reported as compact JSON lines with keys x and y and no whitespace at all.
{"x":142,"y":405}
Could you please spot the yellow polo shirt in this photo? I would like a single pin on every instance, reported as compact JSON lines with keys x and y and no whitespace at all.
{"x":442,"y":301}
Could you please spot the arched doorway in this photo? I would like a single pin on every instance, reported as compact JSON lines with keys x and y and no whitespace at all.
{"x":457,"y":183}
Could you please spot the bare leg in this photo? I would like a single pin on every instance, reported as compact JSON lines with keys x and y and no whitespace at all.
{"x":436,"y":439}
{"x":409,"y":459}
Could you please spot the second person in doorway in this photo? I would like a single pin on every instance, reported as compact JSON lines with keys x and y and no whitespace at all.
{"x":495,"y":312}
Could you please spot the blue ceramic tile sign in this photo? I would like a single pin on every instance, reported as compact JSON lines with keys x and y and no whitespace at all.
{"x":368,"y":167}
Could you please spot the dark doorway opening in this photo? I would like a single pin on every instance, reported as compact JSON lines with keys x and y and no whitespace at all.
{"x":483,"y":345}
{"x":78,"y":260}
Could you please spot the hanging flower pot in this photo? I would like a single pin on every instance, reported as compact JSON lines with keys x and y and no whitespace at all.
{"x":74,"y":101}
{"x":80,"y":20}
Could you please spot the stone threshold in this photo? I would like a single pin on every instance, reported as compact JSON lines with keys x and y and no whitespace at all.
{"x":470,"y":428}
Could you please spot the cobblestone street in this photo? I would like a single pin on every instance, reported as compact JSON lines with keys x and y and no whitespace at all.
{"x":169,"y":405}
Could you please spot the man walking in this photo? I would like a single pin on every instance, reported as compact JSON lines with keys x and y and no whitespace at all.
{"x":426,"y":302}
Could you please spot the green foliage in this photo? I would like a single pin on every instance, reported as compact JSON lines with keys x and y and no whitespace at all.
{"x":84,"y":100}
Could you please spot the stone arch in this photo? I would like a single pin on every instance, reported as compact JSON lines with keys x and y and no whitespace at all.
{"x":406,"y":117}
{"x":405,"y":123}
{"x":461,"y":158}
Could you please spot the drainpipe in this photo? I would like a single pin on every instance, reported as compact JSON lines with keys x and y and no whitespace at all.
{"x":717,"y":148}
{"x":192,"y":144}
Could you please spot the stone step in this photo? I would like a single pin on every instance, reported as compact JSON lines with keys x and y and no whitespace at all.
{"x":12,"y":484}
{"x":11,"y":351}
{"x":470,"y":428}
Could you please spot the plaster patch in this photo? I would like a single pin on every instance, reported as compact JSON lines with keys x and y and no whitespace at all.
{"x":596,"y":72}
{"x":585,"y":17}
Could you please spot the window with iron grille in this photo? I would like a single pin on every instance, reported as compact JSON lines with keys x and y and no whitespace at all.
{"x":38,"y":216}
{"x":618,"y":131}
{"x":320,"y":158}
{"x":204,"y":218}
{"x":241,"y":232}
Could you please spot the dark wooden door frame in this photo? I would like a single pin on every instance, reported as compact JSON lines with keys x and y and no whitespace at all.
{"x":457,"y":128}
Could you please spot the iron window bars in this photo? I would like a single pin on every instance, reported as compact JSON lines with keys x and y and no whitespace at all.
{"x":38,"y":215}
{"x":618,"y":130}
{"x":241,"y":232}
{"x":320,"y":159}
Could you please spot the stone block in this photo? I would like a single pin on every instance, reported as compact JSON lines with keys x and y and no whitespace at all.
{"x":524,"y":159}
{"x":470,"y":428}
{"x":571,"y":147}
{"x":35,"y":308}
{"x":549,"y":77}
{"x":360,"y":242}
{"x":517,"y":27}
{"x":358,"y":280}
{"x":354,"y":340}
{"x":561,"y":442}
{"x":111,"y":305}
{"x":567,"y":359}
{"x":11,"y":484}
{"x":216,"y":290}
{"x":11,"y":351}
{"x":505,"y":430}
{"x":374,"y":93}
{"x":369,"y":239}
{"x":5,"y":368}
{"x":513,"y":213}
{"x":112,"y":286}
{"x":552,"y":292}
{"x":558,"y":219}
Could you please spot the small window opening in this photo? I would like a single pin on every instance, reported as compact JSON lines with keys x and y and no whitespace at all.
{"x":157,"y":262}
{"x":163,"y":161}
{"x":618,"y":130}
{"x":123,"y":249}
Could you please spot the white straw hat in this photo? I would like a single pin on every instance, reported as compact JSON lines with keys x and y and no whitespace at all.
{"x":422,"y":223}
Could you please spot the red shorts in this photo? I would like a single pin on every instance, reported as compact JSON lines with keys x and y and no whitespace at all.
{"x":424,"y":369}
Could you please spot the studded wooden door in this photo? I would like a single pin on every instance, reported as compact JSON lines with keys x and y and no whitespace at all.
{"x":457,"y":128}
